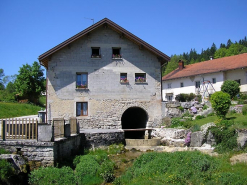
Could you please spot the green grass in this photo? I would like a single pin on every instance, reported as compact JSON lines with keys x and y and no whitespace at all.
{"x":240,"y":120}
{"x":183,"y":168}
{"x":9,"y":110}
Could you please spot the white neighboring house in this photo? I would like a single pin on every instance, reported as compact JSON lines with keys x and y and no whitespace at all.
{"x":205,"y":77}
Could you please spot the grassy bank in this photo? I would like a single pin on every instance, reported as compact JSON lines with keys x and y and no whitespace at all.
{"x":9,"y":110}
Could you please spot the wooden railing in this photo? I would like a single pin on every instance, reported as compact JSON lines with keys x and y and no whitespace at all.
{"x":15,"y":128}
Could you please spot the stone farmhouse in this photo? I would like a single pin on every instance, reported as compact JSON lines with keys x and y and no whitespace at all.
{"x":205,"y":77}
{"x":106,"y":77}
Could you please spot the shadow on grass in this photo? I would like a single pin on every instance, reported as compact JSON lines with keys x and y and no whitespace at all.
{"x":231,"y":118}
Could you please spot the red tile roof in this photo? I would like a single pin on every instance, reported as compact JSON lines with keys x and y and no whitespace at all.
{"x":210,"y":66}
{"x":45,"y":57}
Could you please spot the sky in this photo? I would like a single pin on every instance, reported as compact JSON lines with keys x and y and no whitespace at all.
{"x":31,"y":27}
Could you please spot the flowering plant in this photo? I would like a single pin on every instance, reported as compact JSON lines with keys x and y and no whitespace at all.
{"x":116,"y":56}
{"x":140,"y":79}
{"x":81,"y":86}
{"x":124,"y":80}
{"x":95,"y":56}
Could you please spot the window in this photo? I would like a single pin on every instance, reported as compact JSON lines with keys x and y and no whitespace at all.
{"x":81,"y":80}
{"x":181,"y":84}
{"x":214,"y":80}
{"x":95,"y":53}
{"x":123,"y":78}
{"x":169,"y":97}
{"x":81,"y":109}
{"x":238,"y":81}
{"x":169,"y":85}
{"x":198,"y":84}
{"x":116,"y":53}
{"x":140,"y":77}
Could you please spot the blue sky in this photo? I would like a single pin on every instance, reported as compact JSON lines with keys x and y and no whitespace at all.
{"x":31,"y":27}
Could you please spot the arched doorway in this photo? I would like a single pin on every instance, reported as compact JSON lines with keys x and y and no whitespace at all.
{"x":132,"y":118}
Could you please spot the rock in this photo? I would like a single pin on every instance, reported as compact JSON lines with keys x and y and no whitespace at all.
{"x":18,"y":163}
{"x":242,"y":138}
{"x":241,"y":158}
{"x":197,"y":139}
{"x":170,"y":136}
{"x":210,"y":139}
{"x":198,"y":106}
{"x":186,"y":105}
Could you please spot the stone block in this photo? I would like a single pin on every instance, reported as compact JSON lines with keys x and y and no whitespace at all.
{"x":197,"y":139}
{"x":44,"y":132}
{"x":242,"y":138}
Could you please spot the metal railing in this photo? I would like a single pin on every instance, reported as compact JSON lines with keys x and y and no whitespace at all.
{"x":16,"y":128}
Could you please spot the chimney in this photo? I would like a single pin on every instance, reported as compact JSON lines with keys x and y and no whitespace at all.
{"x":180,"y":64}
{"x":211,"y":57}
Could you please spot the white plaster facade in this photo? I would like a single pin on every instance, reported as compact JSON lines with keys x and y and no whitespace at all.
{"x":189,"y":83}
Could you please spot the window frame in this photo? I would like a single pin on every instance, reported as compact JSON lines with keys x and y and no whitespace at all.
{"x":124,"y":78}
{"x":98,"y":54}
{"x":82,"y":86}
{"x":169,"y":85}
{"x":138,"y":77}
{"x":82,"y":109}
{"x":116,"y":55}
{"x":181,"y":84}
{"x":196,"y":84}
{"x":214,"y":80}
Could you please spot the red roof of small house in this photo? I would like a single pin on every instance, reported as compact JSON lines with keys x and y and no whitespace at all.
{"x":45,"y":57}
{"x":210,"y":66}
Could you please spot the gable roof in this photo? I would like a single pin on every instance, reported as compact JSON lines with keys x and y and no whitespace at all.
{"x":45,"y":57}
{"x":210,"y":66}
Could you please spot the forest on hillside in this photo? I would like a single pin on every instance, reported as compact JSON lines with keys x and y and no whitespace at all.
{"x":228,"y":49}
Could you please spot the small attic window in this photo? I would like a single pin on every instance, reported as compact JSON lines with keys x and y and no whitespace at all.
{"x":95,"y":52}
{"x":116,"y":53}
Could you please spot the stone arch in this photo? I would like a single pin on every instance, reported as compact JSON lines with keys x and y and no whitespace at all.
{"x":133,"y":118}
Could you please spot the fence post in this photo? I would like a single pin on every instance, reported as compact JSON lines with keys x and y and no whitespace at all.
{"x":3,"y":131}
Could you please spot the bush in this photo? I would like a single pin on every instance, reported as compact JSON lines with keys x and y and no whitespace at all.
{"x":175,"y":122}
{"x":221,"y":103}
{"x":181,"y":108}
{"x":185,"y":97}
{"x":244,"y":110}
{"x":231,"y":87}
{"x":225,"y":136}
{"x":204,"y":107}
{"x":106,"y":171}
{"x":199,"y":117}
{"x":52,"y":175}
{"x":6,"y":171}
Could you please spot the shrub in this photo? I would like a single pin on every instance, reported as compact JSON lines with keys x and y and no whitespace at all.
{"x":185,"y":97}
{"x":231,"y":87}
{"x":221,"y":102}
{"x":52,"y":175}
{"x":204,"y":107}
{"x":6,"y":171}
{"x":87,"y":166}
{"x":199,"y":117}
{"x":181,"y":108}
{"x":244,"y":110}
{"x":106,"y":171}
{"x":225,"y":136}
{"x":175,"y":122}
{"x":211,"y":114}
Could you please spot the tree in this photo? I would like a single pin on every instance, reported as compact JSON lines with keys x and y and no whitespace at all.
{"x":1,"y":79}
{"x":231,"y":87}
{"x":221,"y":103}
{"x":29,"y":82}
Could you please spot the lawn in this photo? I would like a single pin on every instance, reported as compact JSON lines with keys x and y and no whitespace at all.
{"x":9,"y":110}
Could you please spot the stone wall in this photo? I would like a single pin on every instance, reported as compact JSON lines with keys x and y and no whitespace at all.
{"x":44,"y":153}
{"x":94,"y":139}
{"x":107,"y":98}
